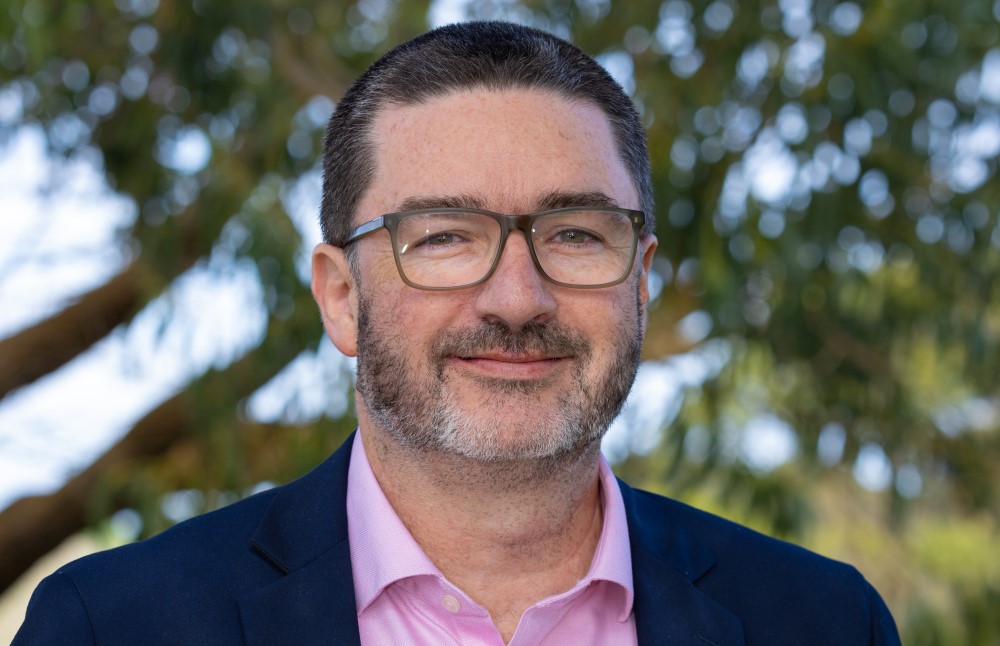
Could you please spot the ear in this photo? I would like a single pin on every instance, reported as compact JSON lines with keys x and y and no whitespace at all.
{"x":336,"y":294}
{"x":647,"y":247}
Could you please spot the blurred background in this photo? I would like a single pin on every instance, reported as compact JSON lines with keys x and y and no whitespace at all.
{"x":820,"y":360}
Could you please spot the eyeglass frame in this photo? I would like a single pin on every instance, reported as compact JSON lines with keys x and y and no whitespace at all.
{"x":508,"y":223}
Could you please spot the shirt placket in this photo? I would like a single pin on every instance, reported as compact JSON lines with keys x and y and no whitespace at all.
{"x":468,"y":623}
{"x":539,"y":620}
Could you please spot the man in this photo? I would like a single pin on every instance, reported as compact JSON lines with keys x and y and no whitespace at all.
{"x":472,"y":506}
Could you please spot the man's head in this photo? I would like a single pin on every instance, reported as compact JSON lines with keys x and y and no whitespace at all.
{"x":516,"y":367}
{"x":462,"y":57}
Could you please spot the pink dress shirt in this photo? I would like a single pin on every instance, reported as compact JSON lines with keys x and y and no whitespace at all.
{"x":403,"y":599}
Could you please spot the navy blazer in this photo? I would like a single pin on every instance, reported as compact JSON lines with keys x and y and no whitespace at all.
{"x":276,"y":569}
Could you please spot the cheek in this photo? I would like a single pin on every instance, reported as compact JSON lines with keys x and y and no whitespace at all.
{"x":604,"y":316}
{"x":418,"y":318}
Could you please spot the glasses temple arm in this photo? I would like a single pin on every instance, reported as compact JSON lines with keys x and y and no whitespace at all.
{"x":365,"y":229}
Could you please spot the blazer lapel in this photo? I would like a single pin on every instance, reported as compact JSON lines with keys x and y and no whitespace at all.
{"x":310,"y":596}
{"x":312,"y":605}
{"x":666,"y":563}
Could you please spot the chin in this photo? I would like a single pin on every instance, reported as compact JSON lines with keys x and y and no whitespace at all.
{"x":524,"y":435}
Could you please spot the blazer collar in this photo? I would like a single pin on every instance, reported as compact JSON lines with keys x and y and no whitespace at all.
{"x":303,"y":535}
{"x":667,"y":561}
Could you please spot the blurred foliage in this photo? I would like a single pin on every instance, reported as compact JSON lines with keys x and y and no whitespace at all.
{"x":829,"y":233}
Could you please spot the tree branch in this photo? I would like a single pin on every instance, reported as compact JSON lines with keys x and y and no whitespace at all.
{"x":50,"y":344}
{"x":32,"y":526}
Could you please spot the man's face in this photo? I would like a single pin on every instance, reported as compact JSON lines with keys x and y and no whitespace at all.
{"x":515,"y":368}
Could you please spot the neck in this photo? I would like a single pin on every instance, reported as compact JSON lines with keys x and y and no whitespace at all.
{"x":508,"y":534}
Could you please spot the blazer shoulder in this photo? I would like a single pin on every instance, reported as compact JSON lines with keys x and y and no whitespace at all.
{"x":663,"y":521}
{"x":185,"y":584}
{"x":205,"y":541}
{"x":55,"y":596}
{"x":777,"y":589}
{"x":145,"y":591}
{"x":221,"y":542}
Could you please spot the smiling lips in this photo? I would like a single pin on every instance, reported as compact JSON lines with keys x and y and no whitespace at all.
{"x":511,"y":366}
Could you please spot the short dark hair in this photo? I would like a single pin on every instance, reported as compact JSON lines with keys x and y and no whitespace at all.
{"x":490,"y":55}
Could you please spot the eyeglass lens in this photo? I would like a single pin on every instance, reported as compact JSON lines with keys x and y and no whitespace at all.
{"x":454,"y":249}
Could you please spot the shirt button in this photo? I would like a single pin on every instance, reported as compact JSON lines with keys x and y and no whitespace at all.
{"x":450,"y":603}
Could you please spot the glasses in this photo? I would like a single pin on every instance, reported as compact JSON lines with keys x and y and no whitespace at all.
{"x":441,"y":249}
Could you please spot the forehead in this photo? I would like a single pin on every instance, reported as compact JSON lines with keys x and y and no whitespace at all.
{"x":507,"y":149}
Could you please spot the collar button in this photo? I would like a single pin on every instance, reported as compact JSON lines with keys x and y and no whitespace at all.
{"x":450,"y":603}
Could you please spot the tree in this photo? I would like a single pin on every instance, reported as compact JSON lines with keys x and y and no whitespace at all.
{"x":159,"y":75}
{"x":828,"y":231}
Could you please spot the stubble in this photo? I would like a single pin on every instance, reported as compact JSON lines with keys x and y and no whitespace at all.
{"x":422,"y":414}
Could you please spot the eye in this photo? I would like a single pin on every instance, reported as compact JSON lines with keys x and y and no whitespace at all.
{"x":575,"y":237}
{"x":440,"y":243}
{"x":439,"y":239}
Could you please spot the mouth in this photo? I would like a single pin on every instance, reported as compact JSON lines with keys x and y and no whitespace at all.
{"x":510,"y":366}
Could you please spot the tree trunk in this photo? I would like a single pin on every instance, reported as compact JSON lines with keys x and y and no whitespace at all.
{"x":48,"y":345}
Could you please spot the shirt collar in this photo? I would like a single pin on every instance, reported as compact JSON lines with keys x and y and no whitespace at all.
{"x":613,"y":556}
{"x":383,"y":551}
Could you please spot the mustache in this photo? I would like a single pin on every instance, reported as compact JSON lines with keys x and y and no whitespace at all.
{"x":533,"y":337}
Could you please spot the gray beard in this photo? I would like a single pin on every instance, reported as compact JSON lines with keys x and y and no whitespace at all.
{"x":421,"y":417}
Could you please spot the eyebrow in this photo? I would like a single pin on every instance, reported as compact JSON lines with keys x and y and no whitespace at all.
{"x":442,"y":202}
{"x":551,"y":200}
{"x":563,"y":199}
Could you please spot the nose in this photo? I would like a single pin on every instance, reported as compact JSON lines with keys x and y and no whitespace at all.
{"x":516,"y":293}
